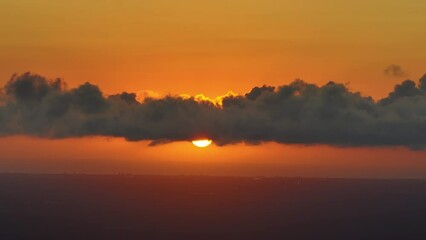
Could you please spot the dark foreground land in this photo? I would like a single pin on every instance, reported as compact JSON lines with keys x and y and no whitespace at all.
{"x":154,"y":207}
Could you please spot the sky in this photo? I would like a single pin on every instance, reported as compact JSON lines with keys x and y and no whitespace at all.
{"x":168,"y":47}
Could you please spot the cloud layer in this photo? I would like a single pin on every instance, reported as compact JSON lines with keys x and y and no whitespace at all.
{"x":297,"y":113}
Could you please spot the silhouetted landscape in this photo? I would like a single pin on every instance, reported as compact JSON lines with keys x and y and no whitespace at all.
{"x":203,"y":207}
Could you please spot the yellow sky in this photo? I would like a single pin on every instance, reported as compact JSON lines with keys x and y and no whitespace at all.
{"x":212,"y":47}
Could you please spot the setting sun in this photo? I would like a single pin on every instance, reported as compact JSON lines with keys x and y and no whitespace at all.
{"x":202,"y":143}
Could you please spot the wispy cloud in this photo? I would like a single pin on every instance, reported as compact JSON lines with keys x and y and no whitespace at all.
{"x":394,"y":70}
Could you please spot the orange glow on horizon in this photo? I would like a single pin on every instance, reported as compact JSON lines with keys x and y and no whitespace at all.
{"x":198,"y":51}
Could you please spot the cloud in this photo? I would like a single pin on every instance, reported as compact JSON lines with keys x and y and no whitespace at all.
{"x":297,"y":113}
{"x":394,"y":71}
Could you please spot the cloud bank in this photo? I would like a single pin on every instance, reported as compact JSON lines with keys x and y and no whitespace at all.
{"x":297,"y":113}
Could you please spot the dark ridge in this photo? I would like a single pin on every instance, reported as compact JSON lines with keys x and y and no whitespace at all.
{"x":77,"y":206}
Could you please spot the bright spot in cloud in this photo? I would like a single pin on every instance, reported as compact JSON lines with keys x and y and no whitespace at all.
{"x":202,"y":142}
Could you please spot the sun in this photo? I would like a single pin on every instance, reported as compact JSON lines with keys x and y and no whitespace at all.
{"x":202,"y":142}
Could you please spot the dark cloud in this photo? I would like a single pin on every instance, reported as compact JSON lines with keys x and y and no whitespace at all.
{"x":29,"y":88}
{"x":297,"y":113}
{"x":257,"y":91}
{"x":394,"y":71}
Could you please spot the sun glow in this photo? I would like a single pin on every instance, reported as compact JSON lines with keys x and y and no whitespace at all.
{"x":202,"y":142}
{"x":215,"y":101}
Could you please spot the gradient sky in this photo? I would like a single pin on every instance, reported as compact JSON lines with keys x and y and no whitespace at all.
{"x":211,"y":47}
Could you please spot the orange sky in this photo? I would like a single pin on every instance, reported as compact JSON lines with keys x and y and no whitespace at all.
{"x":211,"y":47}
